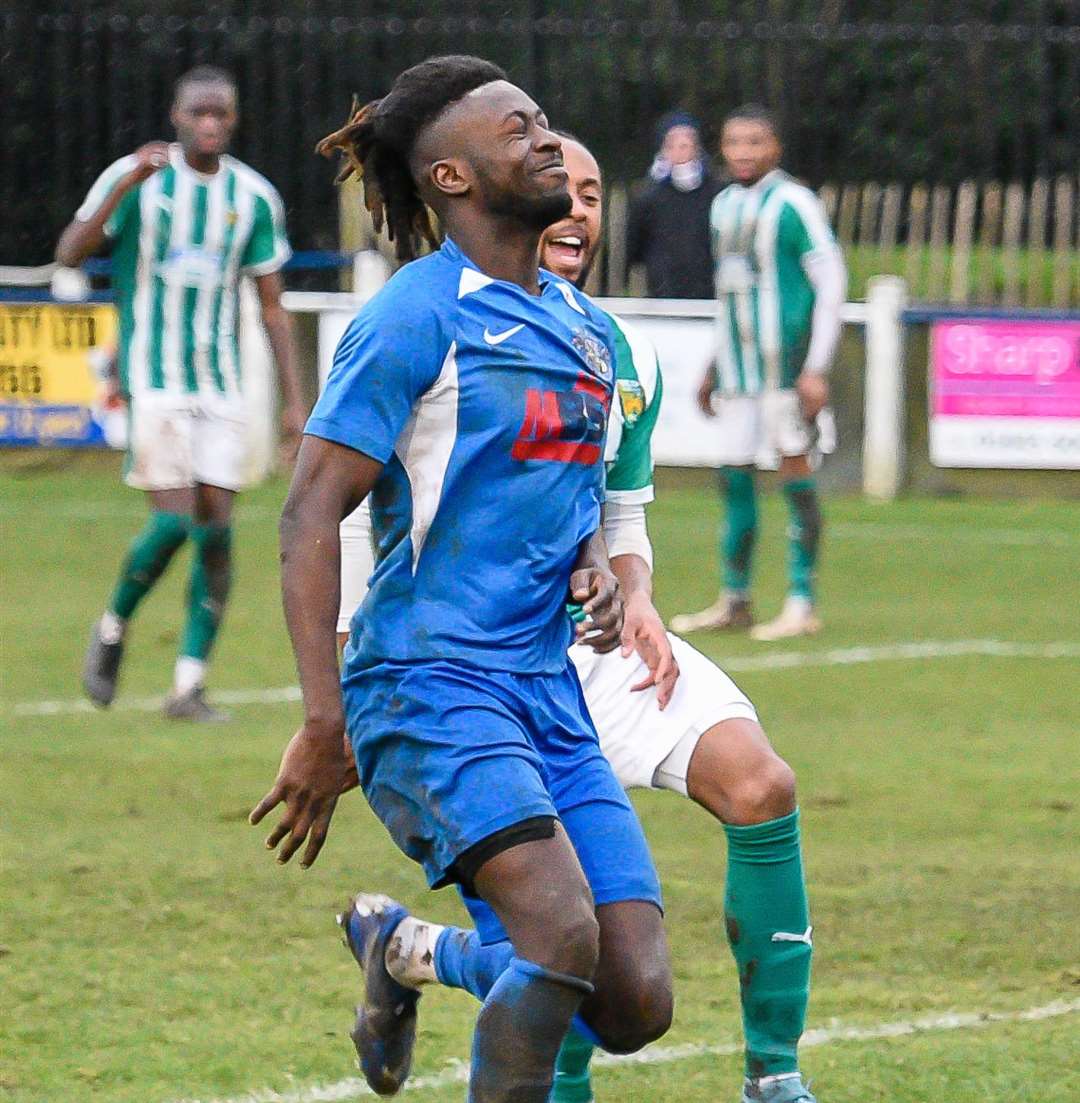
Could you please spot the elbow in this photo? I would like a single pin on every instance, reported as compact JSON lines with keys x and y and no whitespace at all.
{"x":66,"y":257}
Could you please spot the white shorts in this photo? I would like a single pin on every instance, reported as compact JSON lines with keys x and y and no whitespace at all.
{"x":357,"y":563}
{"x":757,"y":429}
{"x":648,"y":748}
{"x":178,"y":441}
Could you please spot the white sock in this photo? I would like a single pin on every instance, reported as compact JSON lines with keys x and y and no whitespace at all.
{"x":410,"y":953}
{"x":189,"y":674}
{"x":111,"y":627}
{"x":800,"y":603}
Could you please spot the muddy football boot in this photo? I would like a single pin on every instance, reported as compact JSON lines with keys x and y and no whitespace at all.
{"x":101,"y":667}
{"x":385,"y":1029}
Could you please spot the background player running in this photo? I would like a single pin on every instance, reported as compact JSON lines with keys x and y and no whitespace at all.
{"x":780,"y":282}
{"x":469,"y":398}
{"x":186,"y":222}
{"x":698,"y":736}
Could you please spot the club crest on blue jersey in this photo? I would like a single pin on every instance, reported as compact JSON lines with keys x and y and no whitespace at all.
{"x":595,"y":353}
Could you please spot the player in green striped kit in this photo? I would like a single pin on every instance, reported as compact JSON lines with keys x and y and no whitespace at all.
{"x":667,"y":718}
{"x":780,"y":284}
{"x":186,"y":222}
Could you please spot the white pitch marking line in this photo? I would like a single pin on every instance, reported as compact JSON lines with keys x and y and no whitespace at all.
{"x":281,"y":695}
{"x":767,"y":660}
{"x":894,"y":652}
{"x":458,"y":1071}
{"x":1019,"y":538}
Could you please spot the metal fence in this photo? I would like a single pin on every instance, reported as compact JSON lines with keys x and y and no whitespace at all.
{"x":865,"y":91}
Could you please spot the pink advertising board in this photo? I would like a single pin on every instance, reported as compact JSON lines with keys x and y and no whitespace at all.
{"x":1005,"y":393}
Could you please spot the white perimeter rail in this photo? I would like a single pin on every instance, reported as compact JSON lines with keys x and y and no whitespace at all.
{"x":682,"y":331}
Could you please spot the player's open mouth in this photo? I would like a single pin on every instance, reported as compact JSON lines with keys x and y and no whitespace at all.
{"x":569,"y":248}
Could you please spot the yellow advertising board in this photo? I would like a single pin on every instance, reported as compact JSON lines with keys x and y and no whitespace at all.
{"x":49,"y":393}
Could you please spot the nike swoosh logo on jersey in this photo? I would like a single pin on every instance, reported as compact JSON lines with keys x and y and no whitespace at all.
{"x":498,"y":338}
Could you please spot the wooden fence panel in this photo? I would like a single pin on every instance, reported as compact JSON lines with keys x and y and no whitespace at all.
{"x":868,"y":210}
{"x":963,"y":233}
{"x":618,"y":208}
{"x":1064,"y":254}
{"x":1010,"y":240}
{"x":918,"y":205}
{"x":845,"y":220}
{"x":889,"y":231}
{"x":989,"y":236}
{"x":1036,"y":253}
{"x":940,"y":202}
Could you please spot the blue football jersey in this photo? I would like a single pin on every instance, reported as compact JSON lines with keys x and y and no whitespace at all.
{"x":488,"y":408}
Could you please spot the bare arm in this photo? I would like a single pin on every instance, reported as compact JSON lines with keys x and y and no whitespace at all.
{"x":643,"y":630}
{"x":82,"y":239}
{"x":330,"y":480}
{"x":825,"y":271}
{"x":280,"y":331}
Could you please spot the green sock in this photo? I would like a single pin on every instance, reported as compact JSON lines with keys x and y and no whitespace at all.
{"x":572,"y":1083}
{"x":211,"y":575}
{"x":768,"y":927}
{"x":804,"y":535}
{"x":147,"y":558}
{"x":740,"y":530}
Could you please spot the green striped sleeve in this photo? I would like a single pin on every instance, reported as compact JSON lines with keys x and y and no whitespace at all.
{"x":638,"y":390}
{"x":803,"y":226}
{"x":267,"y":247}
{"x":630,"y":477}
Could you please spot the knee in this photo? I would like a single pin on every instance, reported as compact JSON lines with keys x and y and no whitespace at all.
{"x":637,"y":1016}
{"x":765,"y":793}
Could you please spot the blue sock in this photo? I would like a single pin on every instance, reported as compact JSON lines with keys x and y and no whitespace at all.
{"x":463,"y":961}
{"x":518,"y":1033}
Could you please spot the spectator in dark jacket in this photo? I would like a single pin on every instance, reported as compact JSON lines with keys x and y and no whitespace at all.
{"x":668,"y":229}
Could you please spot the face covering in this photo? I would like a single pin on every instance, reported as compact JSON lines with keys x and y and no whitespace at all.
{"x":688,"y":176}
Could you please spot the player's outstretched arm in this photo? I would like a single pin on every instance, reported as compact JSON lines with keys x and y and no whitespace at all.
{"x":82,"y":239}
{"x":595,"y":588}
{"x":279,"y":329}
{"x":643,"y":630}
{"x":329,"y":482}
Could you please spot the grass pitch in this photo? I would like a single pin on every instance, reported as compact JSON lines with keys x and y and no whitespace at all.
{"x":151,"y":951}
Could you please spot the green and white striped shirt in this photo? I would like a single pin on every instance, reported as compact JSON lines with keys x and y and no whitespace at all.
{"x":638,"y":391}
{"x":763,"y":237}
{"x":182,"y":242}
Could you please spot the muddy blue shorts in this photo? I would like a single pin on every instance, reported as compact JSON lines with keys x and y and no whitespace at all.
{"x":449,"y":756}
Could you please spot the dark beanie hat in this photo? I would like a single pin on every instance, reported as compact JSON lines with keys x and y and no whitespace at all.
{"x":673,"y":119}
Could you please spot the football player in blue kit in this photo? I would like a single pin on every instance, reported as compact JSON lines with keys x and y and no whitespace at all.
{"x":469,"y":399}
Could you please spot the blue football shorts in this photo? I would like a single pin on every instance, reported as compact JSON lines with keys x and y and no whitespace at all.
{"x":449,"y":755}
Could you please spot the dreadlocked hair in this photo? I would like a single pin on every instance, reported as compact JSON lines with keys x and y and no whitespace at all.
{"x":378,"y":139}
